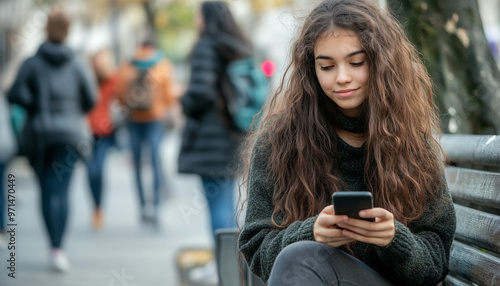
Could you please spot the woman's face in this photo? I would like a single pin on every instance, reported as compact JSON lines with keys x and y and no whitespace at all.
{"x":342,"y":70}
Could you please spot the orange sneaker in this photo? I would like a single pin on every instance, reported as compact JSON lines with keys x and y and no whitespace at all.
{"x":98,"y":219}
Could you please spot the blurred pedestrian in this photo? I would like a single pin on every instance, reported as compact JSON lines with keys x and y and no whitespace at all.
{"x":145,"y":89}
{"x":210,"y":139}
{"x":102,"y":127}
{"x":7,"y":151}
{"x":56,"y":91}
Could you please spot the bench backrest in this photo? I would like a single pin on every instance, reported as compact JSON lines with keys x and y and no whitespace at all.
{"x":233,"y":269}
{"x":474,"y":181}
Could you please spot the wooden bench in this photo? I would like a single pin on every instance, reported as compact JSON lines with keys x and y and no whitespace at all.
{"x":474,"y":181}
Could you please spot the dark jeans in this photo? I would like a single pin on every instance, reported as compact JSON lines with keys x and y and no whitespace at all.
{"x":149,"y":133}
{"x":314,"y":263}
{"x":54,"y":179}
{"x":95,"y":166}
{"x":219,"y":193}
{"x":3,"y":195}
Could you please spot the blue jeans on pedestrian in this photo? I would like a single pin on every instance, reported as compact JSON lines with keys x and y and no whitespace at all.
{"x":315,"y":263}
{"x":219,"y":192}
{"x":150,"y":134}
{"x":54,"y":178}
{"x":95,"y":166}
{"x":3,"y":195}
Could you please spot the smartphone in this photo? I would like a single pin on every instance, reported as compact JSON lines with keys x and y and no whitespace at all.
{"x":350,"y":203}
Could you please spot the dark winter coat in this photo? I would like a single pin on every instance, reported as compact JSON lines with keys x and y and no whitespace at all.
{"x":209,"y":145}
{"x":57,"y":92}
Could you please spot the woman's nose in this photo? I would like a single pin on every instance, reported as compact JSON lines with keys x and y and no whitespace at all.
{"x":343,"y":76}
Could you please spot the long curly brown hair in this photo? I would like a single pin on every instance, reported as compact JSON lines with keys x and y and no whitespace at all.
{"x":402,"y":157}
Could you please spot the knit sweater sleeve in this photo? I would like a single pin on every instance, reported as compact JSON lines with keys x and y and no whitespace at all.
{"x":419,"y":254}
{"x":260,"y":241}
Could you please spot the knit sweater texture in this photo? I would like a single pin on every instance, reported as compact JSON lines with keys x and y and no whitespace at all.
{"x":418,"y":254}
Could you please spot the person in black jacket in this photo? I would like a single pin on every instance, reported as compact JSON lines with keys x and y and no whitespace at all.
{"x":56,"y":92}
{"x":210,"y":140}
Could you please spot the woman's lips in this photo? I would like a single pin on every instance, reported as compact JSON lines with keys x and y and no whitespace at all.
{"x":346,"y":92}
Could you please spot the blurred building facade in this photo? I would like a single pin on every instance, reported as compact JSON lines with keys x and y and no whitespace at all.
{"x":118,"y":25}
{"x":22,"y":28}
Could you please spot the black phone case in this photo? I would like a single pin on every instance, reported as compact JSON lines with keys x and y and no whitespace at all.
{"x":350,"y":203}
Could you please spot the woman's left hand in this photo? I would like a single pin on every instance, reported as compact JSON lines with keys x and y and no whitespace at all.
{"x":381,"y":232}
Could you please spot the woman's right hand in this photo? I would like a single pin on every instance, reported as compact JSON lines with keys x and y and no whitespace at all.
{"x":325,"y":230}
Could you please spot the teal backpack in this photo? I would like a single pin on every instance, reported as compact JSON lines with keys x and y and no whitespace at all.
{"x":249,"y":88}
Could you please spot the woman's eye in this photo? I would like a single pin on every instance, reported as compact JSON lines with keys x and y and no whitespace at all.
{"x":326,"y":68}
{"x":358,"y":64}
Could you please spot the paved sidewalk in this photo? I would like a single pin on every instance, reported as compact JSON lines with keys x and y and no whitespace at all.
{"x":124,"y":252}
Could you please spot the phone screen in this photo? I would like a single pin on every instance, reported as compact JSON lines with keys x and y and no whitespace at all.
{"x":350,"y":203}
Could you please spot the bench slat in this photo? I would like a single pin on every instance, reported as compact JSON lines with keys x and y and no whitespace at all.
{"x":228,"y":260}
{"x":479,"y":187}
{"x":452,"y":281}
{"x":227,"y":257}
{"x":474,"y":265}
{"x":477,"y":149}
{"x":478,"y":228}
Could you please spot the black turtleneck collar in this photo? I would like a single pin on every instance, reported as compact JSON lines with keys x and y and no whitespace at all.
{"x":350,"y":124}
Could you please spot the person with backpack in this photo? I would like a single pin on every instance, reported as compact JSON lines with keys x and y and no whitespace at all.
{"x":210,"y":139}
{"x":144,"y":88}
{"x":57,"y":91}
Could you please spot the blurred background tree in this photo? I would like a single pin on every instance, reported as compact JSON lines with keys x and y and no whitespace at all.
{"x":451,"y":39}
{"x":175,"y":25}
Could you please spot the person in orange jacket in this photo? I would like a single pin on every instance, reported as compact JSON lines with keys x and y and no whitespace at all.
{"x":145,"y":89}
{"x":102,"y":126}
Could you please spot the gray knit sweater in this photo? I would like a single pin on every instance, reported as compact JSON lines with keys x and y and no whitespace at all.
{"x":418,"y":254}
